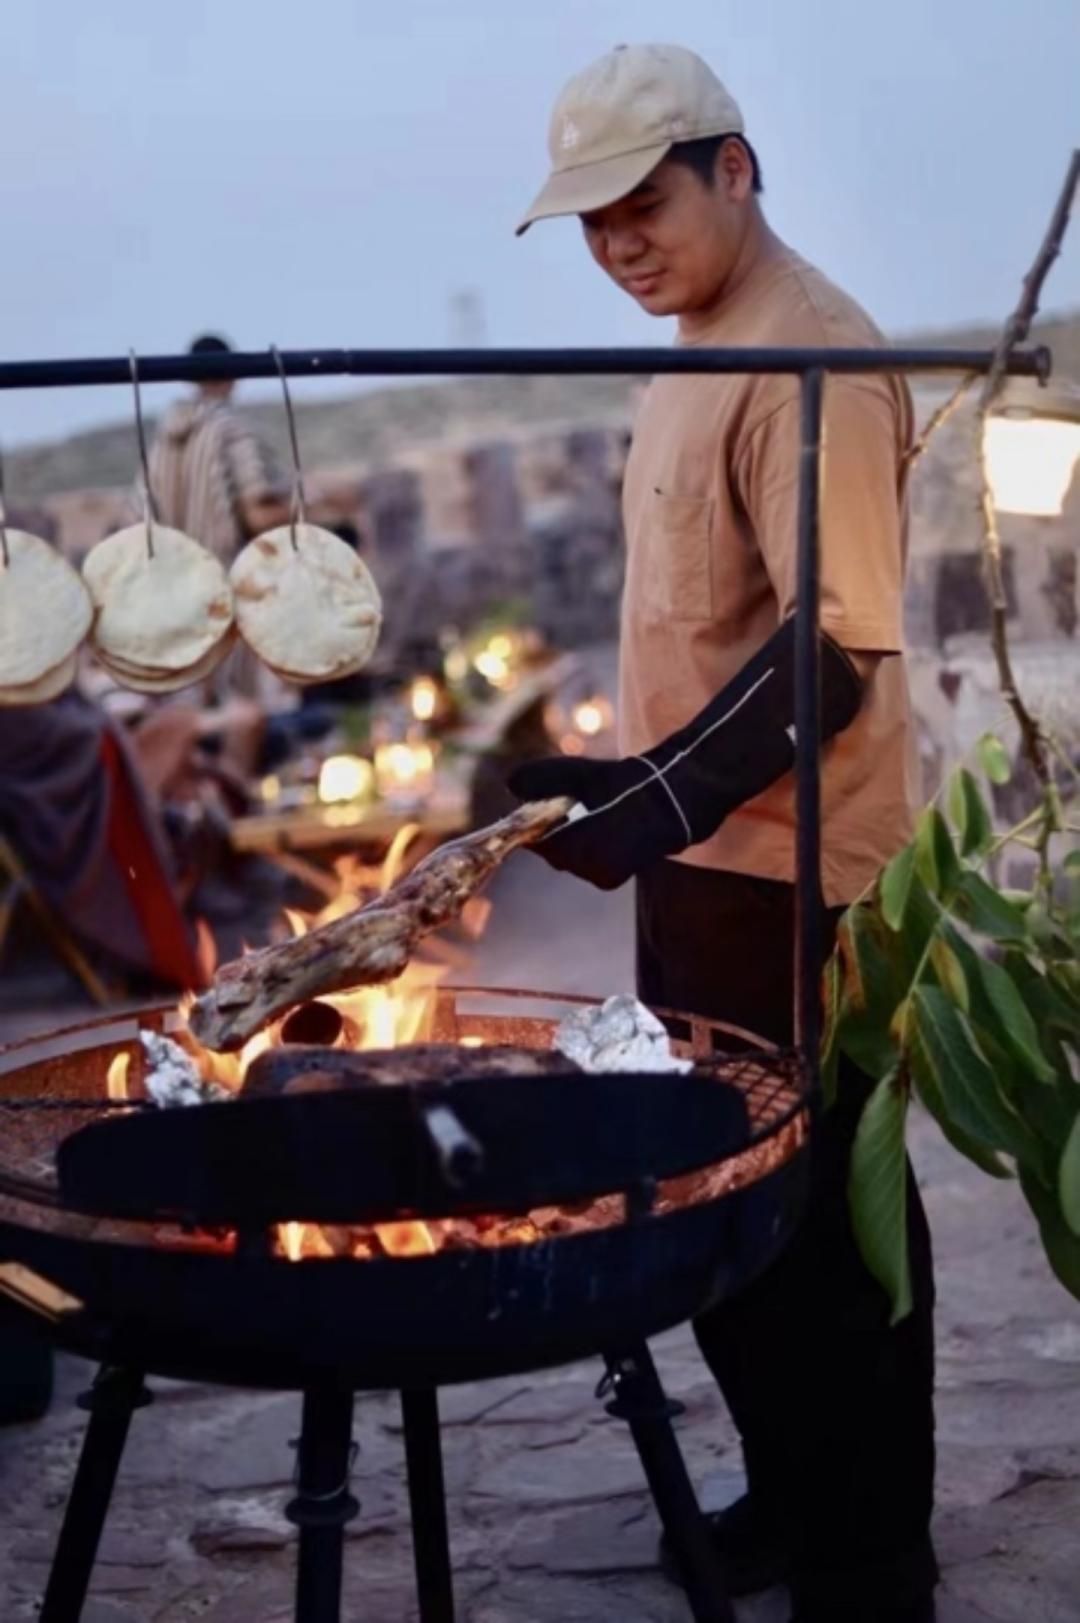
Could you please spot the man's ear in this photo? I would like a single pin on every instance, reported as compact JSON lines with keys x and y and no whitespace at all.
{"x":733,"y":171}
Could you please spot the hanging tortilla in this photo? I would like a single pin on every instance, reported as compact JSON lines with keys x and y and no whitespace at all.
{"x":160,"y":613}
{"x":312,"y":612}
{"x":45,"y":612}
{"x":46,"y":688}
{"x":143,"y":680}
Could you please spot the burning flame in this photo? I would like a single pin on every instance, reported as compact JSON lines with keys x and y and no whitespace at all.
{"x":373,"y":1017}
{"x":206,"y":953}
{"x":116,"y":1080}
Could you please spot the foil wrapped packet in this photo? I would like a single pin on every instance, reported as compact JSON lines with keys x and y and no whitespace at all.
{"x":620,"y":1034}
{"x":172,"y":1077}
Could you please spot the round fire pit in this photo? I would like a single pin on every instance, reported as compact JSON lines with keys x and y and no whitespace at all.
{"x":564,"y":1214}
{"x":546,"y":1285}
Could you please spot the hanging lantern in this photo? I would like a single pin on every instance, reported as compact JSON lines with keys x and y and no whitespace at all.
{"x":1031,"y":439}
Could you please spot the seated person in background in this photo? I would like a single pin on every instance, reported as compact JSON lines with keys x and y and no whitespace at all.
{"x":78,"y":820}
{"x":75,"y":812}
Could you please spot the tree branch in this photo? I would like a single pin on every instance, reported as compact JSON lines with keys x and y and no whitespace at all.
{"x":934,"y":422}
{"x":1032,"y":738}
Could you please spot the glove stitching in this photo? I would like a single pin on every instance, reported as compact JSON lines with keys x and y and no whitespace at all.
{"x":660,"y":772}
{"x":669,"y":791}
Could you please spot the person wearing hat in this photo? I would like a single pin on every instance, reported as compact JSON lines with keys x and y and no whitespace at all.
{"x":833,"y":1404}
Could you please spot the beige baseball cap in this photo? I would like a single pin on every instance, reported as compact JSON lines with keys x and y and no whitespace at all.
{"x":614,"y":122}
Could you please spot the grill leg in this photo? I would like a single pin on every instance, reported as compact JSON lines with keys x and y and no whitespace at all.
{"x":640,"y":1400}
{"x":324,"y":1504}
{"x":427,"y":1505}
{"x":112,"y":1400}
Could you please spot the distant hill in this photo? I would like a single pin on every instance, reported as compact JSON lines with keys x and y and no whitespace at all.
{"x":365,"y":428}
{"x":382,"y":423}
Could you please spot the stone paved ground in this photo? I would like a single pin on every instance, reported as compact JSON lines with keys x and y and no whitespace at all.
{"x":548,"y":1517}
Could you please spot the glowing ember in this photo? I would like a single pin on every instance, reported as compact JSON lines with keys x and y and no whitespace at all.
{"x":406,"y":1239}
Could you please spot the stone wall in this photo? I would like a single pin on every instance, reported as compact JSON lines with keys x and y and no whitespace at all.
{"x":456,"y":531}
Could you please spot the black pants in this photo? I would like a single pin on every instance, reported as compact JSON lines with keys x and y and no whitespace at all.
{"x":834,"y":1407}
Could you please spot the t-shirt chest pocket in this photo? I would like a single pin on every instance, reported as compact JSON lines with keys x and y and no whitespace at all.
{"x":680,"y":540}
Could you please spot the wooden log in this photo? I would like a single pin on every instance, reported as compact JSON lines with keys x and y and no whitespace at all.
{"x":366,"y":947}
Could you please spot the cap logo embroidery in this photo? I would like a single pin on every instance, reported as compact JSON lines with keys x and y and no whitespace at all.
{"x":570,"y":136}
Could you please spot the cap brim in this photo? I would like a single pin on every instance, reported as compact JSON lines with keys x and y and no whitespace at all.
{"x":591,"y":186}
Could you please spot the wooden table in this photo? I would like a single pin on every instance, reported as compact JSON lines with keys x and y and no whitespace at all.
{"x":295,"y":840}
{"x":287,"y":838}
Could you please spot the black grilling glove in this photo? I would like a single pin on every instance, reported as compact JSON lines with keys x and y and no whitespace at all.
{"x":645,"y":807}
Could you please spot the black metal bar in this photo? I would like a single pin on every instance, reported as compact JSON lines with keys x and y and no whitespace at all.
{"x":324,"y":1504}
{"x":112,"y":1400}
{"x":808,"y":899}
{"x":326,"y":363}
{"x":641,"y":1401}
{"x":427,"y":1505}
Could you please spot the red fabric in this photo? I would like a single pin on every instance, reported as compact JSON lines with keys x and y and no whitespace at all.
{"x":169,"y":943}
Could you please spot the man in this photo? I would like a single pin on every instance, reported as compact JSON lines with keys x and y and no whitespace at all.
{"x":833,"y":1406}
{"x":210,"y":475}
{"x":212,"y":478}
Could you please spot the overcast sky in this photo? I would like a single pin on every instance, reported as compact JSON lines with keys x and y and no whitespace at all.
{"x":334,"y":172}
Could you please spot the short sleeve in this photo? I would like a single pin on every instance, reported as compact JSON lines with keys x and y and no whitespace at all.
{"x":862,"y":520}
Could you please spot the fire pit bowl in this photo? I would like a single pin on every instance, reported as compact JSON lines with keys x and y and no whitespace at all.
{"x":668,"y":1215}
{"x":564,"y":1214}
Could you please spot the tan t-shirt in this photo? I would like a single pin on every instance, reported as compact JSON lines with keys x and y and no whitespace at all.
{"x":710,"y":504}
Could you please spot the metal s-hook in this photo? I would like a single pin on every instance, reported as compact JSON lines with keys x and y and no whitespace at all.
{"x":150,"y":515}
{"x":299,"y":504}
{"x":5,"y":550}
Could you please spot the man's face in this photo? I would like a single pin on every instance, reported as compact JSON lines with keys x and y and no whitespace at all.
{"x":673,"y":242}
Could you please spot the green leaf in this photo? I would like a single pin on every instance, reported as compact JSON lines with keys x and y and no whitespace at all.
{"x":896,"y":887}
{"x":923,"y":918}
{"x":1013,"y":1018}
{"x":1051,"y":1000}
{"x":935,"y":855}
{"x":1049,"y":933}
{"x":931,"y":1097}
{"x":950,"y":973}
{"x":966,"y":1083}
{"x":872,"y":989}
{"x":870,"y":982}
{"x":1061,"y":1245}
{"x":987,"y":911}
{"x":1069,"y":1179}
{"x":969,"y":813}
{"x":1072,"y":862}
{"x":994,"y":758}
{"x":877,"y":1190}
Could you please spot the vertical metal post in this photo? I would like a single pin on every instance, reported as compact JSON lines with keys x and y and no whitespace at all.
{"x":112,"y":1400}
{"x":427,"y":1505}
{"x":641,"y":1401}
{"x":808,"y":901}
{"x":323,"y":1505}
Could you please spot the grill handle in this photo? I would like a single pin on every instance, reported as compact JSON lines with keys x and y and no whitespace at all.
{"x":460,"y":1155}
